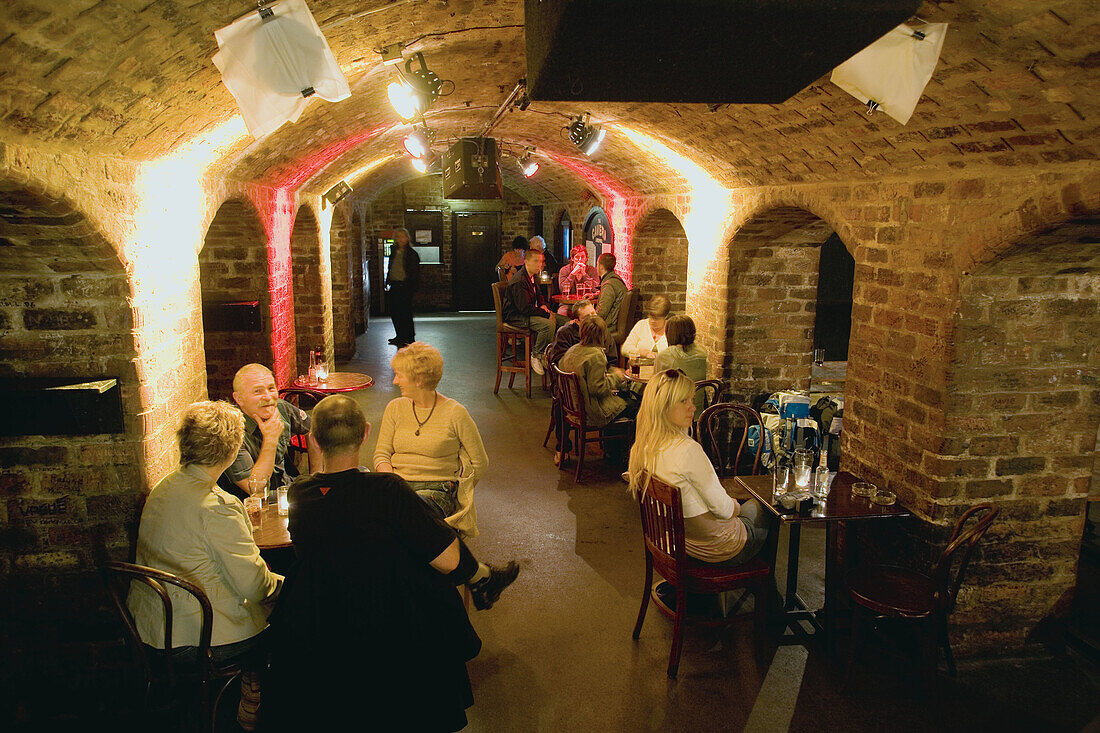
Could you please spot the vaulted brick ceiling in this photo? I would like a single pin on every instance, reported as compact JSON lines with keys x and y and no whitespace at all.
{"x":1016,"y":85}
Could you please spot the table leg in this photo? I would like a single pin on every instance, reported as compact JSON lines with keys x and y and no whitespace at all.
{"x":793,"y":544}
{"x":837,"y":561}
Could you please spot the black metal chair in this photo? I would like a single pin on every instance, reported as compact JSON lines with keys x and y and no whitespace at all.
{"x":889,"y":591}
{"x":724,"y":432}
{"x":169,"y":682}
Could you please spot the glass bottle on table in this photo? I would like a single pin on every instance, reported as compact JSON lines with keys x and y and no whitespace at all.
{"x":821,"y":474}
{"x":311,"y":376}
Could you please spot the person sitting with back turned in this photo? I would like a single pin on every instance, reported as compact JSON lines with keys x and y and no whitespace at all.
{"x":683,"y":353}
{"x":261,"y":464}
{"x":512,"y":260}
{"x":525,"y":306}
{"x":717,"y":528}
{"x":569,"y":334}
{"x":430,"y":440}
{"x":369,"y":625}
{"x":192,"y":528}
{"x":612,"y":292}
{"x":647,"y":338}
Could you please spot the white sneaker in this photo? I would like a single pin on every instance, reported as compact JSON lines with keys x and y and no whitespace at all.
{"x":537,"y":367}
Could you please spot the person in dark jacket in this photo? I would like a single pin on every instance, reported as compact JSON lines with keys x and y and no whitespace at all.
{"x":612,"y":292}
{"x":525,"y":307}
{"x":402,"y":279}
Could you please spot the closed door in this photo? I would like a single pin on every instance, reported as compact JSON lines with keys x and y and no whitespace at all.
{"x":476,"y":251}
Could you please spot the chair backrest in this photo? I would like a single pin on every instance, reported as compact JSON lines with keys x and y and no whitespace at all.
{"x":570,"y":396}
{"x":117,"y":578}
{"x":724,"y":432}
{"x":947,"y":577}
{"x":711,"y":389}
{"x":498,"y":302}
{"x":626,"y":316}
{"x":302,"y":397}
{"x":663,"y":526}
{"x":502,"y":274}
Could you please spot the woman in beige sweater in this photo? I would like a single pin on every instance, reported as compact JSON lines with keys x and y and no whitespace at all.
{"x":430,"y":440}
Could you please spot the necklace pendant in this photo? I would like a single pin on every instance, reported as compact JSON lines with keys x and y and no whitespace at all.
{"x":417,"y":432}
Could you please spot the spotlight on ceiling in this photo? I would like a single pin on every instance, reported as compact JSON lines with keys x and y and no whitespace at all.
{"x":337,"y":193}
{"x":417,"y":90}
{"x":528,"y":166}
{"x":585,"y":136}
{"x":416,"y":144}
{"x":426,"y":163}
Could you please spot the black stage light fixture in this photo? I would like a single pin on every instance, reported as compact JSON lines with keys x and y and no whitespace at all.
{"x":585,"y":136}
{"x":337,"y":193}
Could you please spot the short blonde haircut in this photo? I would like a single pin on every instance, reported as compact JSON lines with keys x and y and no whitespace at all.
{"x":421,"y":363}
{"x":210,"y":433}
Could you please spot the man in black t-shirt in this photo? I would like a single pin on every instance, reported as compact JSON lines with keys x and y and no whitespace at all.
{"x":369,"y":624}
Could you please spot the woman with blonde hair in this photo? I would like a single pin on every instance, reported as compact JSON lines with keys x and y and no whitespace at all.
{"x":717,"y":528}
{"x":430,"y":440}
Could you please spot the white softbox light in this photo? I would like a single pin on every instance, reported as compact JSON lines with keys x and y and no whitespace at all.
{"x":893,"y":70}
{"x":273,"y":61}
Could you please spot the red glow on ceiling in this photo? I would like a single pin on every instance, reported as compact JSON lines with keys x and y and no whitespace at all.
{"x":605,"y":185}
{"x":306,"y":167}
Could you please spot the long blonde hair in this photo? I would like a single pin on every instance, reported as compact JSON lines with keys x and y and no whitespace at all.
{"x":655,"y":431}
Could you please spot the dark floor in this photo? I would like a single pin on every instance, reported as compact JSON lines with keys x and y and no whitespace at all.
{"x":557,"y":650}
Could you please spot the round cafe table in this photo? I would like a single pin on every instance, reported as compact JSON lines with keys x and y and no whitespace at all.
{"x":336,"y":382}
{"x":272,"y":532}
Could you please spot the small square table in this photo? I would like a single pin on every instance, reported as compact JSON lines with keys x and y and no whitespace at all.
{"x":839,"y":510}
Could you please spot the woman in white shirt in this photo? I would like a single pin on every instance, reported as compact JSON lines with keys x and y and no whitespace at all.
{"x":647,"y":338}
{"x":718,"y":529}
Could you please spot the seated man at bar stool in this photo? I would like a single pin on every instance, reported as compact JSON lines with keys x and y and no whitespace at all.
{"x":525,"y":307}
{"x":269,"y":422}
{"x":550,"y":264}
{"x":369,"y":626}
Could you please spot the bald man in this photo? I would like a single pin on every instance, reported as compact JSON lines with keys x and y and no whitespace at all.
{"x":269,"y":422}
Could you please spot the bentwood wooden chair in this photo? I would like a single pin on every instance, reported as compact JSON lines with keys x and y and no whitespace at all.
{"x":724,"y":431}
{"x":170,"y":684}
{"x":666,"y":552}
{"x":574,"y":418}
{"x":513,"y":345}
{"x":889,"y":591}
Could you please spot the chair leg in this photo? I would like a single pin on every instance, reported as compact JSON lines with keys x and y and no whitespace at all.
{"x":553,"y":422}
{"x":500,"y":362}
{"x":647,"y":591}
{"x":946,"y":641}
{"x":852,"y":642}
{"x":677,"y":633}
{"x":527,"y":357}
{"x":581,"y":442}
{"x":929,"y":653}
{"x":760,"y":614}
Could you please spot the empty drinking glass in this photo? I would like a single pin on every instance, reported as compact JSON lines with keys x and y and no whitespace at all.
{"x":780,"y":475}
{"x":819,"y":356}
{"x":803,"y":467}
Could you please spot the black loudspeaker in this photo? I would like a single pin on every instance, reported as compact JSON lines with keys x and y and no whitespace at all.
{"x":470,"y":170}
{"x":241,"y":315}
{"x":709,"y":51}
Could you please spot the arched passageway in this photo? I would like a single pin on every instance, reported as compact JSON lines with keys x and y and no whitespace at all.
{"x":71,"y":458}
{"x":773,"y":294}
{"x":309,"y":309}
{"x":236,"y":295}
{"x":1023,"y":407}
{"x":660,"y":258}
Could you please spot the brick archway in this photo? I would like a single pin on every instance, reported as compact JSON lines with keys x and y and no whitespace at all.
{"x":772,"y":286}
{"x":309,"y":310}
{"x":1022,"y":411}
{"x":233,"y":268}
{"x":70,"y":501}
{"x":661,"y":258}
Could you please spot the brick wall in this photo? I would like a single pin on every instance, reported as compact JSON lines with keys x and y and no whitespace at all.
{"x":660,"y":258}
{"x":66,"y":502}
{"x":341,"y":250}
{"x":309,"y":311}
{"x":773,"y":294}
{"x":387,"y":211}
{"x":233,"y":266}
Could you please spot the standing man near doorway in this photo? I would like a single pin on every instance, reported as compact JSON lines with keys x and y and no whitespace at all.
{"x":403,"y":278}
{"x":612,"y":291}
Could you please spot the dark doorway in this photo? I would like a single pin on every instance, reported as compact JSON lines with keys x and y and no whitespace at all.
{"x":476,"y":251}
{"x":833,"y":323}
{"x":563,"y":236}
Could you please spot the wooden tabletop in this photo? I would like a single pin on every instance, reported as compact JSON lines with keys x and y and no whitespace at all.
{"x":272,"y":532}
{"x":841,"y":505}
{"x":336,"y":382}
{"x":645,"y":373}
